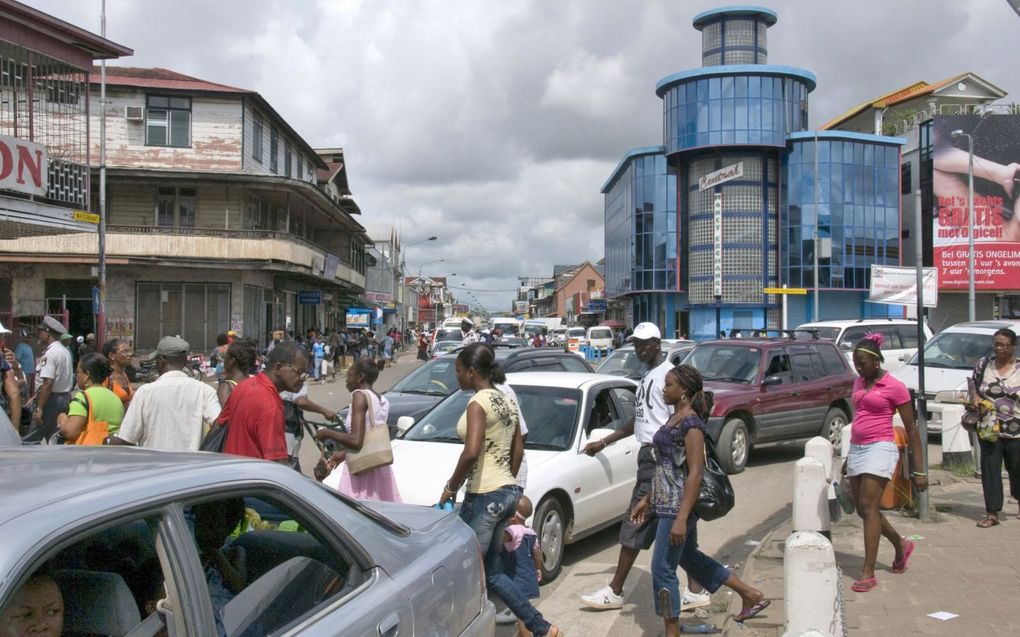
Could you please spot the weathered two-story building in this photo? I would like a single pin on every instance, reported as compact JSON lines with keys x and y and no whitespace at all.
{"x":220,"y":216}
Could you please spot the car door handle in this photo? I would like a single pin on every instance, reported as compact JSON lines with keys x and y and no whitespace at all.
{"x":390,"y":626}
{"x":796,"y":394}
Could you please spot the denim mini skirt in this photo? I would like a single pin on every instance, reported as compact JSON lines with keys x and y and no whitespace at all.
{"x":876,"y":458}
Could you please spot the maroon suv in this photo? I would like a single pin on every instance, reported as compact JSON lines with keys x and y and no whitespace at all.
{"x":769,"y":389}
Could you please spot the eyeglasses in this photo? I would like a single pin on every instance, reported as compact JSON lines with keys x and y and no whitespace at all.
{"x":302,"y":375}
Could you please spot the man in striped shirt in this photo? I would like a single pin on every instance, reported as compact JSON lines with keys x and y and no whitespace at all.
{"x":173,"y":412}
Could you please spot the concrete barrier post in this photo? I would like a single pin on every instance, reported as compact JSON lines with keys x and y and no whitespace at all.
{"x":810,"y":496}
{"x":821,"y":449}
{"x":811,"y":582}
{"x":844,"y":442}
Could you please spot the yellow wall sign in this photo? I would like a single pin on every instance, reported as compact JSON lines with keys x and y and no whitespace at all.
{"x":785,"y":290}
{"x":87,"y":217}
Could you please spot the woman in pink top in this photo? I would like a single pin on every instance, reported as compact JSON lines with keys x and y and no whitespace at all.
{"x":877,"y":396}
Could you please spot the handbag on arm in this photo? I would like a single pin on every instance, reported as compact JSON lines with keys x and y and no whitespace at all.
{"x":375,"y":450}
{"x":715,"y":497}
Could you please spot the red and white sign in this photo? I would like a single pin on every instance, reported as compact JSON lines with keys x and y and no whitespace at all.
{"x":23,"y":166}
{"x":996,"y":257}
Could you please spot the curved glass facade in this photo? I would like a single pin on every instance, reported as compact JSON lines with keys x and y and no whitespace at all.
{"x":641,"y":226}
{"x":739,"y":109}
{"x":858,"y":208}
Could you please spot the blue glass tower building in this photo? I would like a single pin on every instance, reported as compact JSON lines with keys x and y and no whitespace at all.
{"x":731,"y":202}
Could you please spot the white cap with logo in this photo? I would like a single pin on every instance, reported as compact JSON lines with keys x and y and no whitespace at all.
{"x":645,"y":331}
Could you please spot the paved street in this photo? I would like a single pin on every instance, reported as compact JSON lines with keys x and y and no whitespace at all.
{"x":764,"y":493}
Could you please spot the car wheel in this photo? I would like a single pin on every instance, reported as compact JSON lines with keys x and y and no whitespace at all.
{"x":550,"y":527}
{"x":832,"y":430}
{"x":734,"y":446}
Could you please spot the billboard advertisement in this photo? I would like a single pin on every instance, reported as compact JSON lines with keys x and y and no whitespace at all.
{"x":996,"y":172}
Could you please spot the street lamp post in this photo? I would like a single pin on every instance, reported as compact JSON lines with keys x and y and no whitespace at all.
{"x":970,"y":221}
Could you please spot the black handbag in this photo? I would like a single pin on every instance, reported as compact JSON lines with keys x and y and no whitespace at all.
{"x":215,"y":439}
{"x":716,"y":497}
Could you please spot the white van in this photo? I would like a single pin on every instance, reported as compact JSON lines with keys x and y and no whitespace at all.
{"x":899,"y":337}
{"x":949,"y":360}
{"x":600,"y":338}
{"x":577,"y":334}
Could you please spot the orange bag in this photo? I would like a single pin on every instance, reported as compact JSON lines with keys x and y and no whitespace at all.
{"x":95,"y":431}
{"x":898,"y":491}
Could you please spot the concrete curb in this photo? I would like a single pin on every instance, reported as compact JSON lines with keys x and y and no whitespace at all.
{"x":763,"y":569}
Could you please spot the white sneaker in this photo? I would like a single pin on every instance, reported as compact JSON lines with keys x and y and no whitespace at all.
{"x":505,"y":618}
{"x":690,"y":600}
{"x":603,"y":599}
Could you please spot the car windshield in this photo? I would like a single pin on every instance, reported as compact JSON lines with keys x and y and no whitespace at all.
{"x":550,"y":413}
{"x":449,"y":334}
{"x":534,"y":329}
{"x":576,"y":332}
{"x":725,"y":362}
{"x":435,"y":378}
{"x":623,"y":363}
{"x":955,"y":350}
{"x":606,"y":333}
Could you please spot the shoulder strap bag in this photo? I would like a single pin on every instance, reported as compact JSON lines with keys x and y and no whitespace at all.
{"x":716,"y":497}
{"x":95,"y":431}
{"x":216,"y":438}
{"x":375,"y":450}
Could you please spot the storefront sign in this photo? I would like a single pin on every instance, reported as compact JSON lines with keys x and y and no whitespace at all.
{"x":23,"y":166}
{"x":996,"y":257}
{"x":357,"y":317}
{"x":378,"y":297}
{"x":898,"y":286}
{"x":717,"y":245}
{"x":309,"y":297}
{"x":721,"y":176}
{"x":597,"y":306}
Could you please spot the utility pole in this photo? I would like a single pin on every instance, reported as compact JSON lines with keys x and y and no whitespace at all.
{"x":101,"y":313}
{"x":923,"y":510}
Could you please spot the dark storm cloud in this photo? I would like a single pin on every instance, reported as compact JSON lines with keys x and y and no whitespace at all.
{"x":494,"y":124}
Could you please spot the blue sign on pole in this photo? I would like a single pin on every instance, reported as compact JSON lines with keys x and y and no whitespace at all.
{"x":309,"y":297}
{"x":95,"y":300}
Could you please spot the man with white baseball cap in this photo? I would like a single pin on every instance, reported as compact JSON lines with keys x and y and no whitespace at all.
{"x":54,"y":380}
{"x":651,"y":413}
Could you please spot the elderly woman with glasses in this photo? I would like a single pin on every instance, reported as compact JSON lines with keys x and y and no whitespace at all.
{"x":997,"y":380}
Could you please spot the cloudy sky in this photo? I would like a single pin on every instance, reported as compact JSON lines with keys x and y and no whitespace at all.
{"x":493,"y":124}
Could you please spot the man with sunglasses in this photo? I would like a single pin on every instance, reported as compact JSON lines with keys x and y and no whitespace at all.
{"x":254,"y":411}
{"x":174,"y":411}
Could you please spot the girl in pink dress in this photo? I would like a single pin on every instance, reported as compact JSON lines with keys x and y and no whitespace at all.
{"x":368,"y":409}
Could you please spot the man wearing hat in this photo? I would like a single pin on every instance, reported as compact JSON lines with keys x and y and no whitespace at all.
{"x":174,"y":411}
{"x":54,"y":380}
{"x":651,"y":412}
{"x":467,"y":333}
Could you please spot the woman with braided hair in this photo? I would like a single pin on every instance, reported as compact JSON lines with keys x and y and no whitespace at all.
{"x":873,"y":455}
{"x":674,"y":493}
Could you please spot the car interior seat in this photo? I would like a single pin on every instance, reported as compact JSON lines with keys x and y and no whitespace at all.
{"x":96,"y":603}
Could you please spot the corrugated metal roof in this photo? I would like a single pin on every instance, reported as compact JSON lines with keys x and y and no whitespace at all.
{"x":878,"y":102}
{"x":159,"y":78}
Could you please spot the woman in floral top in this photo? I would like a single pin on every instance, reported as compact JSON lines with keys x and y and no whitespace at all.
{"x":674,"y":493}
{"x":997,"y":380}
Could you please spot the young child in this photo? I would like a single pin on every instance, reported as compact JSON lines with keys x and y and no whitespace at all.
{"x":522,"y":560}
{"x":224,"y":566}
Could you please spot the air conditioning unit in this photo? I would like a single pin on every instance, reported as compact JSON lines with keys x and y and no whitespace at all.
{"x":134,"y":113}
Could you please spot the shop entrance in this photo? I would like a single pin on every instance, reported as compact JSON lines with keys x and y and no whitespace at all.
{"x":75,"y":296}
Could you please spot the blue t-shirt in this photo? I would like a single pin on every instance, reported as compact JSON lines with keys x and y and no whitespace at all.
{"x":26,"y":358}
{"x":319,"y":350}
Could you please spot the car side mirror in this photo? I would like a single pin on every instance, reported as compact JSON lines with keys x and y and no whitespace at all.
{"x":908,"y":355}
{"x":846,"y":346}
{"x":598,"y":434}
{"x":772,"y":380}
{"x":404,"y":423}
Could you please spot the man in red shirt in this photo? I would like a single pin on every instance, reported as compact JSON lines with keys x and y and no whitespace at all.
{"x":254,"y":410}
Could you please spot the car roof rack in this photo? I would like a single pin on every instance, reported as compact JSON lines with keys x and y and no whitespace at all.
{"x":766,"y":333}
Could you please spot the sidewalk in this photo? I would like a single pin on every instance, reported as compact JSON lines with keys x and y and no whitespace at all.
{"x":957,"y":568}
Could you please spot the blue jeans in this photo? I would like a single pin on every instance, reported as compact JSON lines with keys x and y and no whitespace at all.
{"x":318,"y":367}
{"x":488,"y":514}
{"x":666,"y":558}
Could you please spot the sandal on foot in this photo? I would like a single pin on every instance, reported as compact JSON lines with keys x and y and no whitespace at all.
{"x":988,"y":522}
{"x":898,"y":566}
{"x":748,"y":613}
{"x":864,"y":585}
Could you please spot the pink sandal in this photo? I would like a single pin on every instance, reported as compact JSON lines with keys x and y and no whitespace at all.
{"x":864,"y":585}
{"x":908,"y":550}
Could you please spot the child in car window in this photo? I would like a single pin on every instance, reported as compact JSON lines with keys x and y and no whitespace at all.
{"x":36,"y":609}
{"x":224,"y":566}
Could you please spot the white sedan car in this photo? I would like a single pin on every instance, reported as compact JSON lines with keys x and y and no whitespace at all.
{"x":574,"y":495}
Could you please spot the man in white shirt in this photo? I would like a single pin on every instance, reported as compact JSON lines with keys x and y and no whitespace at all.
{"x":467,"y":333}
{"x":173,"y":412}
{"x":54,"y":380}
{"x":650,"y":413}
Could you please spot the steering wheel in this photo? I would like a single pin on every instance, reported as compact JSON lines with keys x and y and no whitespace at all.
{"x":440,"y":383}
